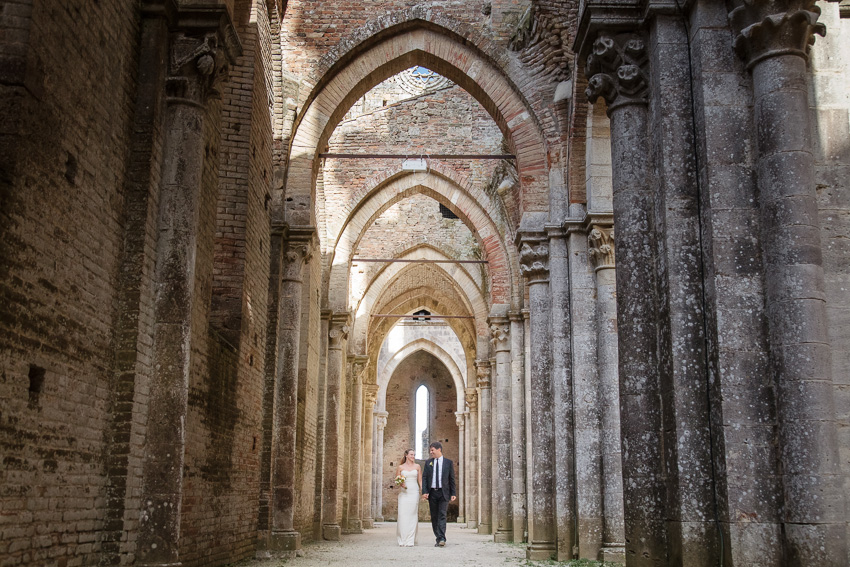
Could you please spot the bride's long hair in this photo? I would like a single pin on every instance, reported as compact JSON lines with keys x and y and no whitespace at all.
{"x":404,"y":458}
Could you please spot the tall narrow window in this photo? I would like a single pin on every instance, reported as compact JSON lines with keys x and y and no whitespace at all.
{"x":421,"y":420}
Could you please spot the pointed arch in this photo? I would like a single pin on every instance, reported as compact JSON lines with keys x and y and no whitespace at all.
{"x":416,"y":43}
{"x":386,"y":371}
{"x":503,"y":284}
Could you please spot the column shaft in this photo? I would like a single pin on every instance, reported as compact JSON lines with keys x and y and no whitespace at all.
{"x":283,"y":535}
{"x":502,"y":450}
{"x":381,"y":423}
{"x":800,"y":351}
{"x":485,"y":428}
{"x":367,"y":480}
{"x":460,"y":419}
{"x":542,"y":522}
{"x":472,"y":476}
{"x":613,"y":537}
{"x":518,"y":504}
{"x":332,"y":497}
{"x":355,"y":523}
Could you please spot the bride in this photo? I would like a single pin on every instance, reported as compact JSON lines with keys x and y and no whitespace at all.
{"x":408,"y":499}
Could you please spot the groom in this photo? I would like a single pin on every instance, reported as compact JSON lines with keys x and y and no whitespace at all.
{"x":438,"y":487}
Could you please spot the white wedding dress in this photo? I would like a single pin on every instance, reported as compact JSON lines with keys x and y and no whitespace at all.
{"x":408,"y":510}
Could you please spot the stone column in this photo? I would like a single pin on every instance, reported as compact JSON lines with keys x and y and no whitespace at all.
{"x":331,"y":510}
{"x":773,"y":38}
{"x":472,"y":459}
{"x":616,"y":72}
{"x":196,"y":62}
{"x":460,"y":420}
{"x":367,"y":481}
{"x":283,"y":536}
{"x":485,"y":430}
{"x":502,"y":451}
{"x":518,"y":502}
{"x":529,"y":462}
{"x":586,"y":399}
{"x":601,"y":254}
{"x":380,"y":424}
{"x":534,"y":263}
{"x":562,"y":390}
{"x":355,"y":523}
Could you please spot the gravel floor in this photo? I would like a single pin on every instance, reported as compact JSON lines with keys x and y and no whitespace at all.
{"x":377,"y":548}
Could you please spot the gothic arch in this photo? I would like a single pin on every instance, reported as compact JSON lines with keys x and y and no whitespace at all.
{"x":445,"y":52}
{"x":467,"y":285}
{"x":385,"y":373}
{"x":501,"y":258}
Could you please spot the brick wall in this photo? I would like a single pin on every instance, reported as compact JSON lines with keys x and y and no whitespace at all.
{"x":61,"y":228}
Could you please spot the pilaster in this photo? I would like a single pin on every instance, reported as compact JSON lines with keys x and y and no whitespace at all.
{"x":501,"y":434}
{"x":473,"y":458}
{"x":485,"y":447}
{"x":332,"y":498}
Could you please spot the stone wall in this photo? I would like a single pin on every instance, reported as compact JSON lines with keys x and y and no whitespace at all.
{"x":418,"y":369}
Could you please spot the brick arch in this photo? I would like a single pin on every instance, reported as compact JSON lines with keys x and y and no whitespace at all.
{"x":504,"y":281}
{"x":465,"y":282}
{"x":457,"y":371}
{"x":417,"y":42}
{"x":422,"y":298}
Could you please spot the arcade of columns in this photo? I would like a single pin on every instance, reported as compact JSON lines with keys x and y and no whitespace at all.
{"x":544,"y":422}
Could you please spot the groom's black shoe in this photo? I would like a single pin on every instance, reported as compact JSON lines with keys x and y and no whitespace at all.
{"x":437,"y":544}
{"x":442,"y":543}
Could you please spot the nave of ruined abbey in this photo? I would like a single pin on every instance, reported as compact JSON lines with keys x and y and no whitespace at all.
{"x":253,"y":250}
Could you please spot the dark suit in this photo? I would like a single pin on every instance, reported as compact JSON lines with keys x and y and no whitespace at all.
{"x":438,"y":498}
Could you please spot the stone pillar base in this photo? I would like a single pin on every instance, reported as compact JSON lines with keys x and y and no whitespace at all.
{"x":284,"y":541}
{"x":353,"y":527}
{"x":331,"y":532}
{"x":471,"y":524}
{"x":540,"y":551}
{"x":485,"y":529}
{"x":503,"y":536}
{"x":379,"y":518}
{"x":368,"y":523}
{"x":611,"y":553}
{"x":461,"y":520}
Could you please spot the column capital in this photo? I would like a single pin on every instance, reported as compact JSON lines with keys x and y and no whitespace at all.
{"x":204,"y":44}
{"x":768,"y":28}
{"x":534,"y":258}
{"x":370,"y":394}
{"x":482,"y":370}
{"x":460,"y":419}
{"x":471,"y":398}
{"x":616,"y":70}
{"x":338,"y":330}
{"x":358,"y":367}
{"x":515,"y":316}
{"x":380,"y":419}
{"x":500,"y":333}
{"x":600,"y":246}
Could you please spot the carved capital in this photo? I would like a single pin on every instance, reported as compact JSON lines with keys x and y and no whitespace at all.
{"x":381,"y":419}
{"x":616,"y":70}
{"x":197,"y":66}
{"x":600,"y":246}
{"x":767,"y":28}
{"x":482,"y":370}
{"x":338,"y":331}
{"x":460,"y":419}
{"x":370,"y":395}
{"x":358,"y":368}
{"x":294,"y":256}
{"x":500,"y":333}
{"x":534,"y":261}
{"x":471,"y":398}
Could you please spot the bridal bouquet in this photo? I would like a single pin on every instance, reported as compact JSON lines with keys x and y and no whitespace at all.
{"x":399,"y":481}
